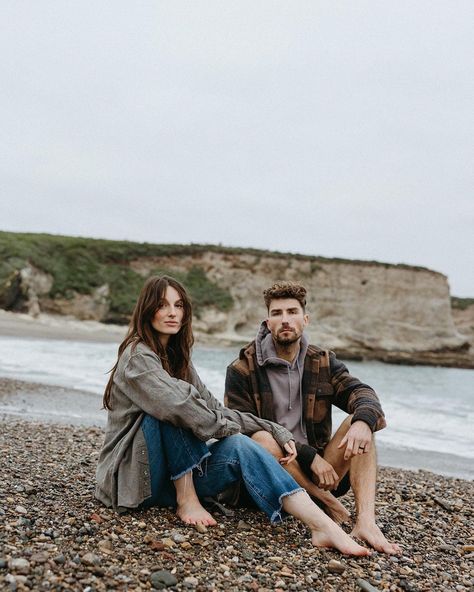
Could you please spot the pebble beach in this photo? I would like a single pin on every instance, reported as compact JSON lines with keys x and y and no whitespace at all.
{"x":54,"y":535}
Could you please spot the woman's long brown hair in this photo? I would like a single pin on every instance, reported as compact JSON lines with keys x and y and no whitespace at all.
{"x":175,"y":357}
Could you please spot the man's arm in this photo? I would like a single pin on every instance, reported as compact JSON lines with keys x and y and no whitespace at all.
{"x":360,"y":400}
{"x":355,"y":397}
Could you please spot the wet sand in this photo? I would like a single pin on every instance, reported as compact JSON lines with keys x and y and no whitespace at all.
{"x":58,"y":327}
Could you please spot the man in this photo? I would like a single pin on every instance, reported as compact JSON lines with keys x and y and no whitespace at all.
{"x":281,"y":377}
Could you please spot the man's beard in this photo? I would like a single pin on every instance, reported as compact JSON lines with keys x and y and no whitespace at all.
{"x":293,"y":338}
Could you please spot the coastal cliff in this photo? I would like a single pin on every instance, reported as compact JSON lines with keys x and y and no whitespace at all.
{"x":360,"y":309}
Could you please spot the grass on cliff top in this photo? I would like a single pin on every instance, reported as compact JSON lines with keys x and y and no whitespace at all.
{"x":461,"y":303}
{"x":36,"y":246}
{"x":81,"y":265}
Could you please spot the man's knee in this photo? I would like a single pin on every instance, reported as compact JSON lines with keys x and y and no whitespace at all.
{"x":267,"y":441}
{"x":346,"y":424}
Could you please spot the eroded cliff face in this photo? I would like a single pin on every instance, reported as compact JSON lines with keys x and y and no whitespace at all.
{"x":368,"y":311}
{"x":371,"y":310}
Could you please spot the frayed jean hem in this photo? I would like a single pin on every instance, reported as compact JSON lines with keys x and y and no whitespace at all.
{"x":191,"y":468}
{"x":279,"y":515}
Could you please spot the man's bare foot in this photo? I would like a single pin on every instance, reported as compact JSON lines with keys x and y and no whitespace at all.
{"x":373,"y":535}
{"x":191,"y":512}
{"x":324,"y":532}
{"x":333,"y":536}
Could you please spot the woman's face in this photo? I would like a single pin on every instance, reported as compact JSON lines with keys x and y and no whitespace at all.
{"x":169,"y":315}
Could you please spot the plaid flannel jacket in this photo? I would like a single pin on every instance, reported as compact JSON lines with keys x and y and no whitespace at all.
{"x":326,"y":382}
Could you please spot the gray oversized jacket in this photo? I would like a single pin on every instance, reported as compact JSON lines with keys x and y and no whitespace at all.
{"x":141,"y":385}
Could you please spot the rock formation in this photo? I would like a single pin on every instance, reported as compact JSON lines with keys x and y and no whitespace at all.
{"x":360,"y":309}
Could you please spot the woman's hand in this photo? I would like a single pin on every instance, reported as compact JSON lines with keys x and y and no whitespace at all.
{"x":290,"y":448}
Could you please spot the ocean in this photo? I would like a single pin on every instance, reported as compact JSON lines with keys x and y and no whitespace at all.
{"x":429,"y":410}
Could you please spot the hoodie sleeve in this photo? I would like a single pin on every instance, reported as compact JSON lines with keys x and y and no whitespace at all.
{"x":355,"y":397}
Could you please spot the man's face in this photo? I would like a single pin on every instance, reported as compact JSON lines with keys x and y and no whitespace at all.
{"x":286,"y":320}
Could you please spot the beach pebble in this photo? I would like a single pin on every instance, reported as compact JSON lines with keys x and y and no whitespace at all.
{"x":90,"y":559}
{"x":21,"y":510}
{"x":40,"y":557}
{"x":106,"y":546}
{"x":20,"y":565}
{"x":162,"y":579}
{"x":335,"y":566}
{"x":366,"y":586}
{"x":201,"y":528}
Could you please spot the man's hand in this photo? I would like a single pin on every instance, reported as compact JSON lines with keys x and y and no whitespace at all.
{"x":326,"y":476}
{"x":289,"y":447}
{"x":357,"y":440}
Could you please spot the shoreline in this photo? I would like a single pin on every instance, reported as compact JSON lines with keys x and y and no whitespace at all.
{"x":48,"y":326}
{"x":52,"y":404}
{"x":56,"y":536}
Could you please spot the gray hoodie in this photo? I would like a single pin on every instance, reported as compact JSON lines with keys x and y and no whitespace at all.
{"x":285,"y":382}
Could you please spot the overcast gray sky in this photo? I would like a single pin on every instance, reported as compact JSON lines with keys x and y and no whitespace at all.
{"x":336,"y":128}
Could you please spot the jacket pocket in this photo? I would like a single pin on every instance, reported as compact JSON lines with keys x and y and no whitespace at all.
{"x":323,"y":402}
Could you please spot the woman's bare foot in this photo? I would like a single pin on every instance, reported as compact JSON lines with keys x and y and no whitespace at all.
{"x":324,"y":532}
{"x":330,"y":535}
{"x":191,"y":512}
{"x":189,"y":508}
{"x":373,"y":535}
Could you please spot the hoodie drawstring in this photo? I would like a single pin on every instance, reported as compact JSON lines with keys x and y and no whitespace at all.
{"x":302,"y":426}
{"x":289,"y":389}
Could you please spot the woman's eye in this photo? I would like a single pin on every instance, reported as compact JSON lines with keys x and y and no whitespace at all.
{"x":179,"y":305}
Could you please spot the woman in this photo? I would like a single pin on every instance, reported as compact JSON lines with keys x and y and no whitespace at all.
{"x":160,"y":416}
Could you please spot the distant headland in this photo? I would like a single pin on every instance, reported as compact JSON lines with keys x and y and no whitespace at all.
{"x":361,"y":309}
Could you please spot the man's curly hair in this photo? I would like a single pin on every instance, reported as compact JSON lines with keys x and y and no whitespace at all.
{"x":282,"y":290}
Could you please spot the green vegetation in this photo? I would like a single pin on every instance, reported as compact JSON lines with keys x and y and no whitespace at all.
{"x":203,"y":292}
{"x":79,"y":265}
{"x":461,"y":303}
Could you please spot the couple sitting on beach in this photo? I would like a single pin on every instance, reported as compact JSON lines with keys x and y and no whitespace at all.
{"x":161,"y":417}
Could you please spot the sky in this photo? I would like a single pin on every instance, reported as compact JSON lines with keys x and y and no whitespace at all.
{"x":335,"y":128}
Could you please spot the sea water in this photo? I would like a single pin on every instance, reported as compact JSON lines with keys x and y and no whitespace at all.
{"x":429,"y":410}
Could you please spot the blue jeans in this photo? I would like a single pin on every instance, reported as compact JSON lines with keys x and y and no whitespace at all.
{"x":173,"y":452}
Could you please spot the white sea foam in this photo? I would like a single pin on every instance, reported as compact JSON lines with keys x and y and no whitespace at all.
{"x":427,"y":409}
